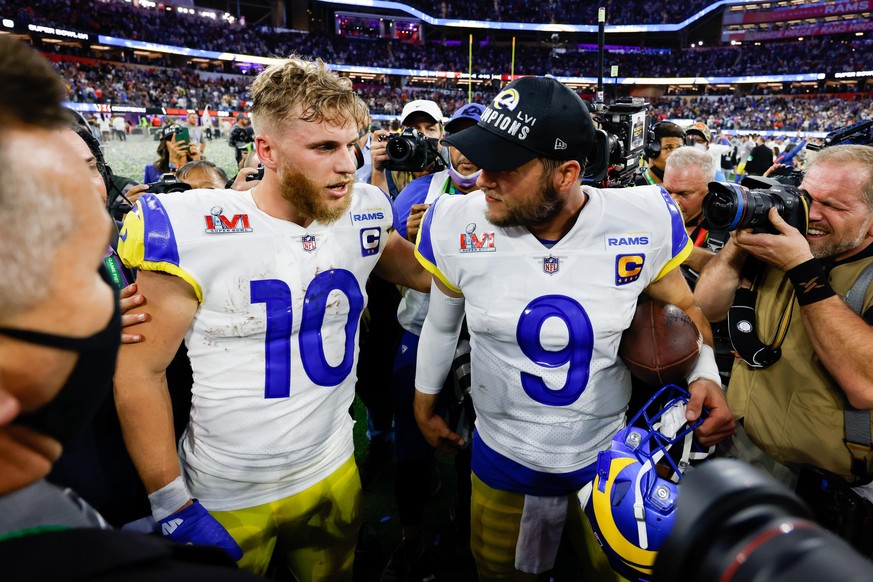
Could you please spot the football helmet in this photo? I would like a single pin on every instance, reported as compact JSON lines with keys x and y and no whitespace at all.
{"x":631,"y":504}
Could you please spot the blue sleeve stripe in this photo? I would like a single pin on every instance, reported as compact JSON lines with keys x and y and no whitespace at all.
{"x":424,"y":245}
{"x":160,"y":241}
{"x":679,"y":237}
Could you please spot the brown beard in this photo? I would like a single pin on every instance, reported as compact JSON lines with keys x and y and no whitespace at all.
{"x":532,"y":213}
{"x":308,"y":199}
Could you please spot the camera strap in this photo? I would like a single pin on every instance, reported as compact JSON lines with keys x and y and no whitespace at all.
{"x":742,"y":321}
{"x":857,"y":422}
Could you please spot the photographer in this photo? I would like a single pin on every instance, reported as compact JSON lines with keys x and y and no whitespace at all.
{"x":687,"y":175}
{"x":172,"y":154}
{"x":242,"y":137}
{"x":793,"y":407}
{"x":380,"y":332}
{"x":421,"y":115}
{"x":415,"y":457}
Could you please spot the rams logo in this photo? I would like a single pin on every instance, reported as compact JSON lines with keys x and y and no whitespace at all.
{"x":628,"y":268}
{"x":368,"y":216}
{"x":506,"y":99}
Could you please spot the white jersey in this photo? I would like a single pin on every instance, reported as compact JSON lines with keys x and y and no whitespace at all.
{"x":273,"y":344}
{"x":545,"y":323}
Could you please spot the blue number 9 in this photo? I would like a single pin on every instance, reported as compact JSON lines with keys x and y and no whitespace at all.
{"x":577,"y":352}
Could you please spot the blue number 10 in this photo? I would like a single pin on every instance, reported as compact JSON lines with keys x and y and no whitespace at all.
{"x":277,"y":296}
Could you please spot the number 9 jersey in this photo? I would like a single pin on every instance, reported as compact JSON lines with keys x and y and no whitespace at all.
{"x":546,"y":321}
{"x":273,"y":344}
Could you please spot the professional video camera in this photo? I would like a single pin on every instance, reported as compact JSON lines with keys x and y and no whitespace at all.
{"x":730,"y":206}
{"x":240,"y":138}
{"x":735,"y":523}
{"x":412,"y":151}
{"x":168,"y":183}
{"x":618,"y":144}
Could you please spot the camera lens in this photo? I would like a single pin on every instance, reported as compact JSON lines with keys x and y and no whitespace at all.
{"x":735,"y":524}
{"x":724,"y":206}
{"x":399,"y":149}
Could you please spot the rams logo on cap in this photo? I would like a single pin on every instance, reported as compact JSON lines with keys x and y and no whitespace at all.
{"x":506,"y":99}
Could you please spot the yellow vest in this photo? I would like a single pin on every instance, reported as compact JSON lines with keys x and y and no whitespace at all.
{"x":793,"y":410}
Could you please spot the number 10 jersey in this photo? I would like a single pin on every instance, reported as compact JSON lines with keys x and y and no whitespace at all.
{"x":273,"y":344}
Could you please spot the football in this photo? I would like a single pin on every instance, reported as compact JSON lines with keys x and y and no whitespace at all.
{"x":661,"y":345}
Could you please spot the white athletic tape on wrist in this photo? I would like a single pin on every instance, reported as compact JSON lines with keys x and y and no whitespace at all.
{"x":169,"y":498}
{"x":705,"y":368}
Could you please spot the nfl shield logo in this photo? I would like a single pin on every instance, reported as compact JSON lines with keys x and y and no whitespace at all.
{"x":308,"y":242}
{"x":550,"y":265}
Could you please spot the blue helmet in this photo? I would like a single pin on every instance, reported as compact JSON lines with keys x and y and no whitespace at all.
{"x":631,"y":504}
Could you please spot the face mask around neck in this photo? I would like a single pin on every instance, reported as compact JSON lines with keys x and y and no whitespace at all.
{"x":87,"y":386}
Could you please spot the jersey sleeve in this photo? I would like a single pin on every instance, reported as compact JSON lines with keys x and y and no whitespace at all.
{"x":680,"y":245}
{"x":426,"y":244}
{"x":147,"y":242}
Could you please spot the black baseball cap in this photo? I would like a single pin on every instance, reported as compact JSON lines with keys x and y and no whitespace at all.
{"x":531,"y":117}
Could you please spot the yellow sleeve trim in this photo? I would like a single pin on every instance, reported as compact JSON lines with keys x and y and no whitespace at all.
{"x":677,"y":260}
{"x":433,"y":270}
{"x":176,"y":271}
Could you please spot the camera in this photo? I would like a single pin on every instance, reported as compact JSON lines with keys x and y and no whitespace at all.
{"x":257,"y":176}
{"x":412,"y":151}
{"x":240,"y":138}
{"x":168,"y":183}
{"x":735,"y":523}
{"x":618,"y":144}
{"x":860,"y":133}
{"x":731,"y":206}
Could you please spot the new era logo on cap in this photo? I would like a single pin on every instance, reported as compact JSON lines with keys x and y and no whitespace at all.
{"x":531,"y":117}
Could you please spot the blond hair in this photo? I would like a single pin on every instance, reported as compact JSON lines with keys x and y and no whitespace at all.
{"x":306,"y":89}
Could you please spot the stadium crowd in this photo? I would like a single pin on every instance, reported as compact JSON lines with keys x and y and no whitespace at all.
{"x":93,"y":15}
{"x":557,"y":56}
{"x":104,"y":82}
{"x":565,"y":11}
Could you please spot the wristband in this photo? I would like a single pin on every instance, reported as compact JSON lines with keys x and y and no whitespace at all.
{"x":169,"y":498}
{"x":810,"y":282}
{"x":705,"y":368}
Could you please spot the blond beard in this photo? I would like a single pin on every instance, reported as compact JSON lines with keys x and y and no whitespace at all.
{"x":308,"y":199}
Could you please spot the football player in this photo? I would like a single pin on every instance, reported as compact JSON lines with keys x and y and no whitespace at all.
{"x":548,"y":274}
{"x":266,"y":287}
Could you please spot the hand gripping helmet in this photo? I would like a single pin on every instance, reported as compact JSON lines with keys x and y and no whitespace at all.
{"x":631,"y":504}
